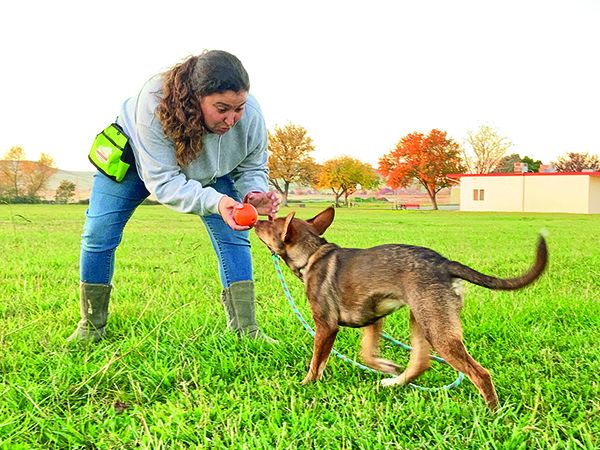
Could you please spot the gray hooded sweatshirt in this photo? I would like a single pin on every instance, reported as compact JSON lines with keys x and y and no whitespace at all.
{"x":240,"y":153}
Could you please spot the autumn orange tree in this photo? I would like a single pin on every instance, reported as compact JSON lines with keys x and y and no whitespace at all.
{"x":289,"y":159}
{"x":22,"y":180}
{"x":426,"y":159}
{"x":344,"y":175}
{"x":10,"y":172}
{"x":38,"y":173}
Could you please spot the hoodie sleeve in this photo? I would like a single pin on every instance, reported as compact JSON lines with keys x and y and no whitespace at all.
{"x":163,"y":177}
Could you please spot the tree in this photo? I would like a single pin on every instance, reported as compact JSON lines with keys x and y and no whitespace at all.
{"x":38,"y":174}
{"x":10,"y":171}
{"x":344,"y":175}
{"x":427,"y":159}
{"x":576,"y":162}
{"x":22,"y":179}
{"x":65,"y":191}
{"x":487,"y":150}
{"x":533,"y":165}
{"x":290,"y":160}
{"x":507,"y":165}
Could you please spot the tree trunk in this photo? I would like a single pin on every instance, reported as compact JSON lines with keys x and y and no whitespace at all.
{"x":433,"y":199}
{"x":432,"y":193}
{"x":16,"y":179}
{"x":337,"y":198}
{"x":286,"y":193}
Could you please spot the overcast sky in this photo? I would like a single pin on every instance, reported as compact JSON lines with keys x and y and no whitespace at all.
{"x":358,"y":75}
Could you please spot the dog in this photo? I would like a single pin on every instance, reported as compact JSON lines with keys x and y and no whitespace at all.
{"x":359,"y":287}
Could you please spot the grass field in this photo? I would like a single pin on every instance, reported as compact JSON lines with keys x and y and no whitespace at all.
{"x":168,"y":376}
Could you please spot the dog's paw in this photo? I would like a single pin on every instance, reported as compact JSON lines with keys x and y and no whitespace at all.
{"x":307,"y":379}
{"x":387,"y":382}
{"x":384,"y":366}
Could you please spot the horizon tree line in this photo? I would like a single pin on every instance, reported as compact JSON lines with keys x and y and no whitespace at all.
{"x":417,"y":158}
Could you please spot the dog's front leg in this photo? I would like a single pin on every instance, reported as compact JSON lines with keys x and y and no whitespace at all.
{"x":323,"y":343}
{"x":370,"y":349}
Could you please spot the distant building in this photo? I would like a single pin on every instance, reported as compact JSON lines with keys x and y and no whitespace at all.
{"x":561,"y":192}
{"x":547,"y":168}
{"x":521,"y":167}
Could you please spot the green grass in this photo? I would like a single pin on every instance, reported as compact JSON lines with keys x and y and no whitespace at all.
{"x":170,"y":377}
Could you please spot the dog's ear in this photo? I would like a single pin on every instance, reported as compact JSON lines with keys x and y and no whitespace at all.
{"x":288,"y":229}
{"x":322,"y":220}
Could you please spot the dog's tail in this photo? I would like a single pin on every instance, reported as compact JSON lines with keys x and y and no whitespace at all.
{"x":459,"y":270}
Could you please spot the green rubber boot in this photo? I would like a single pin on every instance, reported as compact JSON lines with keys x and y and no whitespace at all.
{"x":93,"y":307}
{"x":238,"y":300}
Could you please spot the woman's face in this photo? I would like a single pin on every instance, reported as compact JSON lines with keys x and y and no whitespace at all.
{"x":223,"y":110}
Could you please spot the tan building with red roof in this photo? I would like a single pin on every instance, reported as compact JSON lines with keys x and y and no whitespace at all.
{"x":561,"y":192}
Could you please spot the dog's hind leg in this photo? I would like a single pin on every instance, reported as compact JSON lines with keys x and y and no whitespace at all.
{"x":370,"y":349}
{"x":447,"y":341}
{"x":455,"y":354}
{"x":419,"y":360}
{"x":323,"y":343}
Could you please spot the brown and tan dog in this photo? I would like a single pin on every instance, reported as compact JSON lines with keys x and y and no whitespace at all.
{"x":358,"y":287}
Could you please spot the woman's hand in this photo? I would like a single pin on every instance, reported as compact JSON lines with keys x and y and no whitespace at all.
{"x":227,"y":206}
{"x":266,"y":203}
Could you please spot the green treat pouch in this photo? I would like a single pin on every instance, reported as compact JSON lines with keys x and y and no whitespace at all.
{"x":111,"y":153}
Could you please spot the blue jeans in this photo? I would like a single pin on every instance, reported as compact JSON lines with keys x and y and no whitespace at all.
{"x":111,"y":206}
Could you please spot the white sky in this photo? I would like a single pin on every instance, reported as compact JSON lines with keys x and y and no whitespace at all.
{"x":358,"y":75}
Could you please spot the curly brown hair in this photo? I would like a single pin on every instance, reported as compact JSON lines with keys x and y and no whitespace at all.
{"x":179,"y":110}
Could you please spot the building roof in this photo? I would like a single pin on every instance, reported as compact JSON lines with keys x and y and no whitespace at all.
{"x":524,"y":174}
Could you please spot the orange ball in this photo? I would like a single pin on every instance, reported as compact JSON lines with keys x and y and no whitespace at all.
{"x":246,"y":216}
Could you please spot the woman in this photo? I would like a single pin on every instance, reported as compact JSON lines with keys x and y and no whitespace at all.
{"x":200,"y":146}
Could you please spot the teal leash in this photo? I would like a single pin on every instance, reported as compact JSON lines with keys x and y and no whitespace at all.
{"x":343,"y":357}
